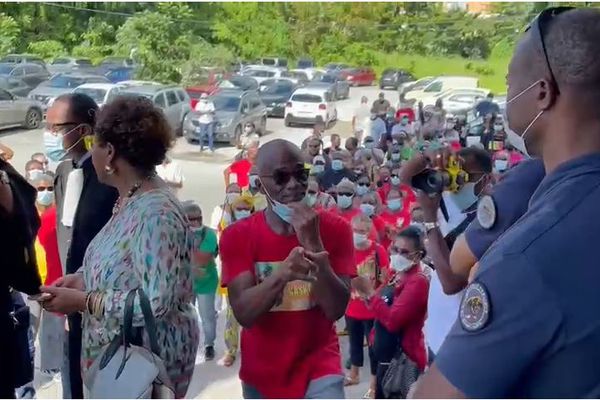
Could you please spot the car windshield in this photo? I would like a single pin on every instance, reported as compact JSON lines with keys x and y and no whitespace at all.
{"x":389,"y":72}
{"x":63,"y":81}
{"x":421,"y":83}
{"x":226,"y":103}
{"x":307,"y":98}
{"x":325,"y":78}
{"x":277,"y":88}
{"x":95,"y":93}
{"x":60,"y":61}
{"x":6,"y":69}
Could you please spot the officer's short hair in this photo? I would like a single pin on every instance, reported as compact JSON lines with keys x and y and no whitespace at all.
{"x":481,"y":157}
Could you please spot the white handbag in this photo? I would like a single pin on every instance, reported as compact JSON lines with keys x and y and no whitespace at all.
{"x":126,"y":371}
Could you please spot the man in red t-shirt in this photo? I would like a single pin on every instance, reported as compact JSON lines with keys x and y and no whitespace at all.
{"x":372,"y":262}
{"x":287,"y":270}
{"x":241,"y":168}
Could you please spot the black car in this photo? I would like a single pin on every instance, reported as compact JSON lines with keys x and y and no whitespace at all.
{"x":393,"y":77}
{"x":275,"y":93}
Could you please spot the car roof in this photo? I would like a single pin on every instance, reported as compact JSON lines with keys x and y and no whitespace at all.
{"x":79,"y":75}
{"x":106,"y":86}
{"x":311,"y":90}
{"x":148,"y":89}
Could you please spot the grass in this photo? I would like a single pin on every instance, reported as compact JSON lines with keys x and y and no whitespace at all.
{"x":491,"y":73}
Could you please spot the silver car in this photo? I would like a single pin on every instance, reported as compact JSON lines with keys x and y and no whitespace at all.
{"x":63,"y":65}
{"x":173,"y":100}
{"x":16,"y":111}
{"x":61,"y":84}
{"x":233,"y":109}
{"x":30,"y":73}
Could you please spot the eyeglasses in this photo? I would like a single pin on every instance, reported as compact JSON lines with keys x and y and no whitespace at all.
{"x":283,"y":177}
{"x":347,"y":194}
{"x":58,"y":129}
{"x":540,"y":25}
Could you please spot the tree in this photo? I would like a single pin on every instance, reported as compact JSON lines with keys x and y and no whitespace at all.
{"x":47,"y":49}
{"x":10,"y":33}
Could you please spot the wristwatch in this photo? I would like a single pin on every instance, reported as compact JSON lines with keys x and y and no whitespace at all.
{"x":429,"y":226}
{"x":4,"y":180}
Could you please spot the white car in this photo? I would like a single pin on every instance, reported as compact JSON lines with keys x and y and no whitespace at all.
{"x":441,"y":84}
{"x":262,"y":73}
{"x":102,"y":93}
{"x":458,"y":100}
{"x":309,"y":105}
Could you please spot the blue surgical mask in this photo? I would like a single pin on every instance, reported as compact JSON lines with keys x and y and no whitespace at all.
{"x":399,"y":263}
{"x":518,"y":141}
{"x":337,"y":165}
{"x":318,"y":168}
{"x":404,"y":120}
{"x":359,"y":238}
{"x":283,"y":211}
{"x":241,"y":214}
{"x":369,"y":145}
{"x":395,"y":157}
{"x":394,"y":180}
{"x":367,"y":209}
{"x":344,"y":202}
{"x":45,"y":197}
{"x":361,"y":190}
{"x":311,"y":200}
{"x":501,"y":165}
{"x":34,"y":174}
{"x":465,"y":197}
{"x":394,"y":204}
{"x":53,"y":146}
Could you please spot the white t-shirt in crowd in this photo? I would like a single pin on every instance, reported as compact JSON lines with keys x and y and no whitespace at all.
{"x":171,"y":173}
{"x":205,"y":108}
{"x":362,"y":114}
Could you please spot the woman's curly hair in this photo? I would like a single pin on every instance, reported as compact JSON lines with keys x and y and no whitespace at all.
{"x":137,"y":129}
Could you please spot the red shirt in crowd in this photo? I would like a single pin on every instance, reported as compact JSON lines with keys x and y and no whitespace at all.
{"x":407,"y":313}
{"x":407,"y":111}
{"x":407,"y":194}
{"x":372,"y":263}
{"x":393,"y":222}
{"x":241,"y":169}
{"x":48,"y":239}
{"x":294,"y":343}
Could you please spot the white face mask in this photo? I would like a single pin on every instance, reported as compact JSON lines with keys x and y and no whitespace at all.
{"x":34,"y":174}
{"x":399,"y":263}
{"x":45,"y":197}
{"x":501,"y":165}
{"x":518,"y":141}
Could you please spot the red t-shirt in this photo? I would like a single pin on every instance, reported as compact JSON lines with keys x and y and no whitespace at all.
{"x":241,"y":169}
{"x":48,"y":239}
{"x":393,"y":221}
{"x":294,"y":343}
{"x":367,"y":265}
{"x":407,"y":194}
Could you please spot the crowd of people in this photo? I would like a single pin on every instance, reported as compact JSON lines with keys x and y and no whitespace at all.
{"x":449,"y":293}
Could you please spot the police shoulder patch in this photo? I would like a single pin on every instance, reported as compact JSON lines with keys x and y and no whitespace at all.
{"x":475,"y":308}
{"x":486,"y":212}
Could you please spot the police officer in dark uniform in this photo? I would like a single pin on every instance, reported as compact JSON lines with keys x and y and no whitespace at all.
{"x":528,"y":323}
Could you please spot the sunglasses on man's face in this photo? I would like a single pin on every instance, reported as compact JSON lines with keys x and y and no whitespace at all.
{"x":281,"y":177}
{"x":539,"y":26}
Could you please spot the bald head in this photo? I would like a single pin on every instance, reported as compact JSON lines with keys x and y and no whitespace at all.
{"x":274,"y":153}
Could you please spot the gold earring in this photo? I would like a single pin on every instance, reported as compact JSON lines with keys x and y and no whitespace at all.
{"x":109,"y":170}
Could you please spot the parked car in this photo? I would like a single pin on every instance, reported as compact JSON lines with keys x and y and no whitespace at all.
{"x":173,"y":100}
{"x":241,"y":82}
{"x":274,"y":62}
{"x":312,"y":73}
{"x":416,"y":85}
{"x":275,"y":93}
{"x":120,"y":74}
{"x":15,"y":86}
{"x":22,"y":58}
{"x":64,"y":65}
{"x":298,"y":77}
{"x":31,"y":74}
{"x":458,"y":101}
{"x":393,"y":77}
{"x":233,"y":109}
{"x":208,"y":79}
{"x":309,"y":105}
{"x":102,"y":93}
{"x":337,"y":85}
{"x":262,"y":73}
{"x":441,"y":84}
{"x":16,"y":111}
{"x":110,"y":63}
{"x":359,"y":76}
{"x":304,"y":63}
{"x":336,"y":67}
{"x":60,"y":84}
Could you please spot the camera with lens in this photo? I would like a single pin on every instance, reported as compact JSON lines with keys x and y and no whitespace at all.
{"x":444,"y":174}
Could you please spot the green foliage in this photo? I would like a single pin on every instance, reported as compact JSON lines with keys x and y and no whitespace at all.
{"x":47,"y":49}
{"x":10,"y":33}
{"x":204,"y":55}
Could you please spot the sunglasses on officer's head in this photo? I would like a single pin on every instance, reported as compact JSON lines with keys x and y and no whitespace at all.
{"x":539,"y":27}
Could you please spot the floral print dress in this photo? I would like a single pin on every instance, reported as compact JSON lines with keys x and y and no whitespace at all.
{"x":146,"y":244}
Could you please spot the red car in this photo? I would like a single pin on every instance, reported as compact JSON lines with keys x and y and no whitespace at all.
{"x":359,"y":76}
{"x":208,"y":82}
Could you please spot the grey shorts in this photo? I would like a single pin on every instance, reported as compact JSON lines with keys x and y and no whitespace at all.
{"x":326,"y":387}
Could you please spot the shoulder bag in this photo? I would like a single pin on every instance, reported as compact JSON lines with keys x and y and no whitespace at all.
{"x":126,"y":371}
{"x":401,"y":374}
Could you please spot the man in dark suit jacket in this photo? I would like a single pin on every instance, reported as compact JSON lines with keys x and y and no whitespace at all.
{"x":83,"y":206}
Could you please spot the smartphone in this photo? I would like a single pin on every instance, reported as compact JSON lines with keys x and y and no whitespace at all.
{"x":40,"y":297}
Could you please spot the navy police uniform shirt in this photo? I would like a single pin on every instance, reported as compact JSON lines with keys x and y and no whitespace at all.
{"x":528,"y":324}
{"x":509,"y":200}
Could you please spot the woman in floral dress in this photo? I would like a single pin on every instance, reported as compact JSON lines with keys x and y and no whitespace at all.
{"x":146,"y":244}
